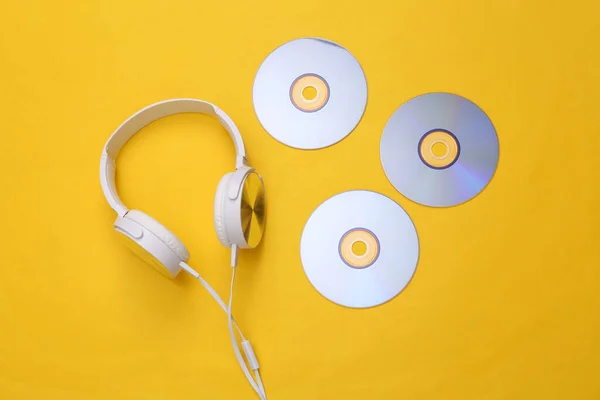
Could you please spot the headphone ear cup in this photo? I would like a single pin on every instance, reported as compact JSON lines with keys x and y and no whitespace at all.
{"x":219,"y":214}
{"x":240,"y":209}
{"x":160,"y":231}
{"x":152,"y":242}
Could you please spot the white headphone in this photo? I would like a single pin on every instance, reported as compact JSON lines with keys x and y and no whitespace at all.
{"x":239,"y":211}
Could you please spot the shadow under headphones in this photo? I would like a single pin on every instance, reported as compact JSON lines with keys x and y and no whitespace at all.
{"x":239,"y":211}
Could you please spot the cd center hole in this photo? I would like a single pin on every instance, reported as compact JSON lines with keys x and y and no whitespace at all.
{"x":439,"y":149}
{"x":359,"y":248}
{"x":309,"y":93}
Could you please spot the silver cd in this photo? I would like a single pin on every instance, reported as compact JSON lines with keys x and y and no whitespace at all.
{"x":359,"y":249}
{"x":309,"y":93}
{"x":439,"y":149}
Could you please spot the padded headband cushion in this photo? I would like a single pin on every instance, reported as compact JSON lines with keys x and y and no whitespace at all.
{"x":161,"y":232}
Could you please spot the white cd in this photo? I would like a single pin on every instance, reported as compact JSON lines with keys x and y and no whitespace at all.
{"x":309,"y":93}
{"x":439,"y":149}
{"x":359,"y":249}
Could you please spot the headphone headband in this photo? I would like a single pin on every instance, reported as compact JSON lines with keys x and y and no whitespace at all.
{"x":146,"y":116}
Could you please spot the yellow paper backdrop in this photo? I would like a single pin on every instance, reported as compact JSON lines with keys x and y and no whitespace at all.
{"x":505,"y":303}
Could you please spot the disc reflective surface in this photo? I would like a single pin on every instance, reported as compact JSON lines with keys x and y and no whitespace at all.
{"x":309,"y":93}
{"x":359,"y":249}
{"x":439,"y":149}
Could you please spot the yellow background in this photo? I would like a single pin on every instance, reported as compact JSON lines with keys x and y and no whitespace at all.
{"x":505,"y":302}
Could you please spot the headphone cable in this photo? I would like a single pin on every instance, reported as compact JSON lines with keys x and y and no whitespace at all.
{"x":246,"y":346}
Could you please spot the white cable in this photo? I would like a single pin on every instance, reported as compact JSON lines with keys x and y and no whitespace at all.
{"x":259,"y":381}
{"x":212,"y":292}
{"x":258,"y":385}
{"x":236,"y":348}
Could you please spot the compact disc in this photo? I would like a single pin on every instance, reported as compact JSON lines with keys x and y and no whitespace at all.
{"x":439,"y":149}
{"x":359,"y":249}
{"x":309,"y":93}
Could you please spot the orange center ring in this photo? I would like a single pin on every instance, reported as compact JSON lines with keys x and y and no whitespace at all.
{"x":309,"y":105}
{"x":359,"y":261}
{"x":447,"y":140}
